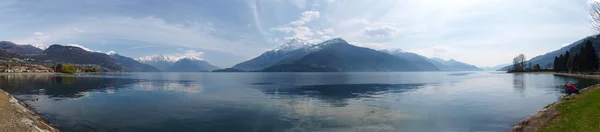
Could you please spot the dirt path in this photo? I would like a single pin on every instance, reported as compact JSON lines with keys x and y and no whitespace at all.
{"x":14,"y":117}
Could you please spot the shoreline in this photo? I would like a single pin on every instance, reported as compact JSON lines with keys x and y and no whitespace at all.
{"x":549,"y":113}
{"x":17,"y":117}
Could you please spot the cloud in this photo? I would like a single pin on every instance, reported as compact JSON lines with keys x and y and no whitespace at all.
{"x":141,"y":47}
{"x":283,"y":29}
{"x":382,"y":31}
{"x":300,"y":4}
{"x":297,"y":27}
{"x":43,"y":38}
{"x":159,"y":31}
{"x":78,"y":30}
{"x":190,"y":53}
{"x":329,"y":30}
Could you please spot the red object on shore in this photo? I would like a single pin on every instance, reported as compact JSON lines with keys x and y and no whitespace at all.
{"x":571,"y":88}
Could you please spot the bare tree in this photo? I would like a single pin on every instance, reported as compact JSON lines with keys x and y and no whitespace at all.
{"x":594,"y":11}
{"x":519,"y":63}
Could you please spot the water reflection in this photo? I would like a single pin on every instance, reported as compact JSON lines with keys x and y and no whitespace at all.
{"x":338,"y":94}
{"x":59,"y":87}
{"x":177,"y":86}
{"x":519,"y":83}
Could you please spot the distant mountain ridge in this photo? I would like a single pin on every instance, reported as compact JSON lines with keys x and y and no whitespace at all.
{"x":76,"y":55}
{"x":169,"y":63}
{"x":19,"y":49}
{"x":190,"y":64}
{"x":161,"y":62}
{"x":335,"y":55}
{"x":453,"y":65}
{"x":547,"y":59}
{"x":269,"y":58}
{"x":450,"y":65}
{"x":132,"y":64}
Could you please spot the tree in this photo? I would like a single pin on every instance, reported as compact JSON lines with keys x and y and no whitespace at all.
{"x":519,"y":63}
{"x":67,"y":68}
{"x":555,"y":64}
{"x":594,"y":11}
{"x":58,"y":67}
{"x":536,"y":67}
{"x":591,"y":57}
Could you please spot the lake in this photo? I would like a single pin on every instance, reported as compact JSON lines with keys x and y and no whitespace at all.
{"x":232,"y":102}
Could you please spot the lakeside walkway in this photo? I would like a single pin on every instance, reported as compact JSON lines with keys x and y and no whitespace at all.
{"x":576,"y":112}
{"x":15,"y":117}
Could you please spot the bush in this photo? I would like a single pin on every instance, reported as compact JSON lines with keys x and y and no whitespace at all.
{"x":67,"y":68}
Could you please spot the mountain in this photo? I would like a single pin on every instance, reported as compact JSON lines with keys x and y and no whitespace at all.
{"x":547,"y":59}
{"x":228,"y":70}
{"x":453,"y":65}
{"x":419,"y":60}
{"x":131,"y":63}
{"x":7,"y":54}
{"x":161,"y":62}
{"x":338,"y":55}
{"x":190,"y":64}
{"x":494,"y":68}
{"x":422,"y":61}
{"x":19,"y":49}
{"x":271,"y":57}
{"x":76,"y":55}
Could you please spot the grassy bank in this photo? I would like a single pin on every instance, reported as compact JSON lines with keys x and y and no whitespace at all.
{"x":580,"y":114}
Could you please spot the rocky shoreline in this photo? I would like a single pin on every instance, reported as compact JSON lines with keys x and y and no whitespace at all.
{"x":537,"y":121}
{"x":17,"y":117}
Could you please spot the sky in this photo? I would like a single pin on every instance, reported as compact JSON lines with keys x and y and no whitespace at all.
{"x":226,"y":32}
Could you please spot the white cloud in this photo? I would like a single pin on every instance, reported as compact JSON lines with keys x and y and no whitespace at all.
{"x":43,"y":38}
{"x":77,"y":30}
{"x":157,"y":30}
{"x":297,"y":27}
{"x":329,"y":30}
{"x":283,"y":29}
{"x":386,"y":31}
{"x":320,"y":33}
{"x":300,"y":4}
{"x":190,"y":53}
{"x":141,"y":47}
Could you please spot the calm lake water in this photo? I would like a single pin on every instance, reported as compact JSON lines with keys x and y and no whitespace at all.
{"x":236,"y":102}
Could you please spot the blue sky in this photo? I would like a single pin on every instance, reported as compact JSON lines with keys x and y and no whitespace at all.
{"x":225,"y":32}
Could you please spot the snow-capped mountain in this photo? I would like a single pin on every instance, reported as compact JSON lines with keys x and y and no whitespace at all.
{"x":111,"y":53}
{"x":80,"y":46}
{"x":177,"y":63}
{"x":40,"y":46}
{"x":275,"y":55}
{"x":130,"y":63}
{"x":191,"y":64}
{"x":161,"y":62}
{"x":291,"y":45}
{"x":159,"y":58}
{"x":337,"y":55}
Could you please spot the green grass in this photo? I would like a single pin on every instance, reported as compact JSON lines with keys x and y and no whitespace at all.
{"x":581,"y":114}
